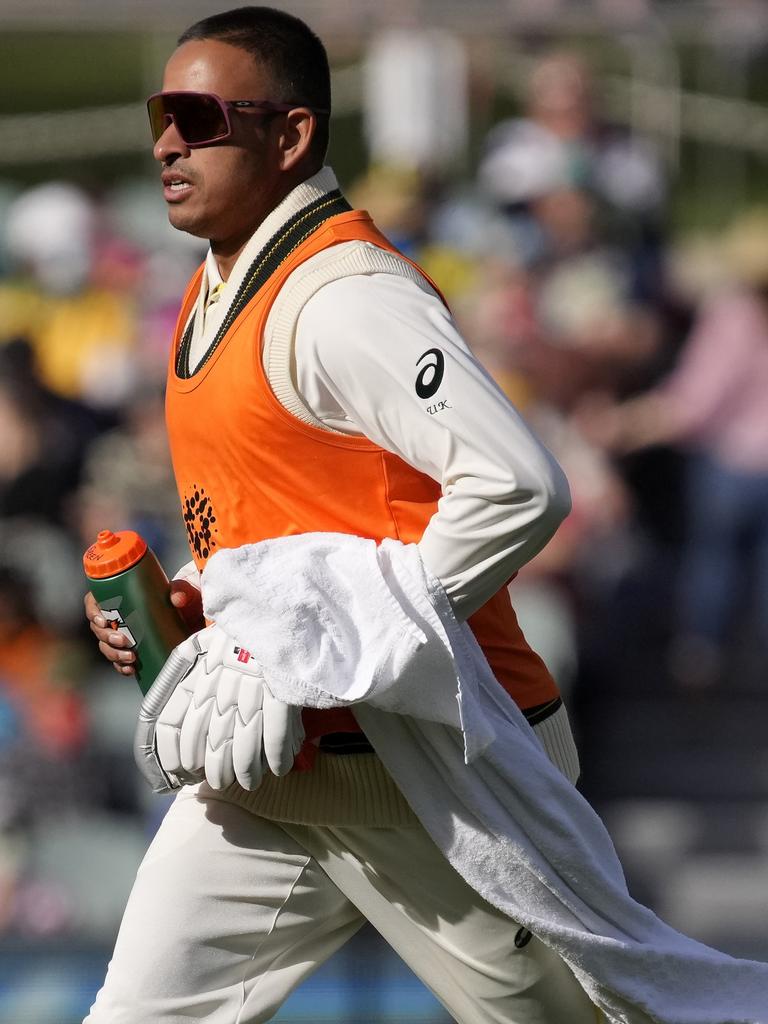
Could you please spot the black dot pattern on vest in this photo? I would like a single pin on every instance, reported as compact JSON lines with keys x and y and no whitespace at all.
{"x":200,"y":521}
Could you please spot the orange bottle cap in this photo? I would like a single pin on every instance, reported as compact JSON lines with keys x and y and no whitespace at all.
{"x":113,"y":553}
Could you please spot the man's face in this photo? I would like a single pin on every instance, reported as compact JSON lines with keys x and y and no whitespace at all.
{"x":223,"y":191}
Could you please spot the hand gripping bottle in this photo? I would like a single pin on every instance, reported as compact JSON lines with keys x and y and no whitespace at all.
{"x":133,"y":593}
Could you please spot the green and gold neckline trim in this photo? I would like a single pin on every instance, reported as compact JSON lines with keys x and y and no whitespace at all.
{"x":295,"y":231}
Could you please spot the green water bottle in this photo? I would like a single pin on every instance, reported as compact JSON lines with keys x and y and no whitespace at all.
{"x":134,"y":595}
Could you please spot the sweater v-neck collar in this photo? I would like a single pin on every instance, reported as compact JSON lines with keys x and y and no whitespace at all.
{"x":206,"y":320}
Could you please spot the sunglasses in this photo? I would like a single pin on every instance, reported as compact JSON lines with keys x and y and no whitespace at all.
{"x":202,"y":117}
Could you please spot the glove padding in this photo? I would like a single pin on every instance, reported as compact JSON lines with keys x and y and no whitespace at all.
{"x":210,"y":715}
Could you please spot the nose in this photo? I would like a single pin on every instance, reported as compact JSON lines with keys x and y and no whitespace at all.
{"x":170,"y":144}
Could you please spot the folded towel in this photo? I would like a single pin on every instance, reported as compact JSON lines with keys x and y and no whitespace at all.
{"x":332,"y":624}
{"x":336,"y":620}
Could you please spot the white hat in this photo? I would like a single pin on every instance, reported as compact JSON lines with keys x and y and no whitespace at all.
{"x":524,"y":162}
{"x":49,"y":229}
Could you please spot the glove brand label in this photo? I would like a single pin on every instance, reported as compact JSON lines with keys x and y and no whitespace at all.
{"x":243,"y":655}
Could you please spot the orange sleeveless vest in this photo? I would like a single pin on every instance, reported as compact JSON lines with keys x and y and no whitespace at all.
{"x":247,"y":469}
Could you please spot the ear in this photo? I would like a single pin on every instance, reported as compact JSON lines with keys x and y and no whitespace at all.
{"x":296,"y":137}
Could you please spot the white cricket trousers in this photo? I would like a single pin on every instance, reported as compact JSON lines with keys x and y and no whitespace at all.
{"x":230,"y":912}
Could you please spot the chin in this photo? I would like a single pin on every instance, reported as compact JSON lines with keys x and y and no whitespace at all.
{"x":185,"y":220}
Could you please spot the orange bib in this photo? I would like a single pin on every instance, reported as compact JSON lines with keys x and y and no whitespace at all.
{"x":247,"y":469}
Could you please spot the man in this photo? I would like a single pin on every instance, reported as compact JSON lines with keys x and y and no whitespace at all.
{"x":317,"y":385}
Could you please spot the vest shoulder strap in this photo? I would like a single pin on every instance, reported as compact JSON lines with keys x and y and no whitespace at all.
{"x":333,"y":264}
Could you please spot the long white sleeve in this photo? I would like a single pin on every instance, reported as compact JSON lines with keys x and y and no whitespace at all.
{"x":378,"y":355}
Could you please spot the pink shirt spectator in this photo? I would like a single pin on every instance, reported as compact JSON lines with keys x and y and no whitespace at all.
{"x":719,"y":389}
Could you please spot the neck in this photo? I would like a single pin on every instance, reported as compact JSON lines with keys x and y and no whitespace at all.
{"x":226,"y":253}
{"x":567,"y":125}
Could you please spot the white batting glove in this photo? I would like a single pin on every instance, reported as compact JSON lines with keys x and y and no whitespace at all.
{"x":209,"y":714}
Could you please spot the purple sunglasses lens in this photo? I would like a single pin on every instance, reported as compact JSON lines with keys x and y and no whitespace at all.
{"x":198,"y":117}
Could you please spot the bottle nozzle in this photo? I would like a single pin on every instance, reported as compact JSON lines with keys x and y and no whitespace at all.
{"x":113,"y":553}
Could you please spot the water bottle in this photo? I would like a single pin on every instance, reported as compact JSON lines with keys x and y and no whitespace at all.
{"x":134,"y":595}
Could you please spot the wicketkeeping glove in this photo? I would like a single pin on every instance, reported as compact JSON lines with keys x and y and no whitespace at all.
{"x":210,"y":715}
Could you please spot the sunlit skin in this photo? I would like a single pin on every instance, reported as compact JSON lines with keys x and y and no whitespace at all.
{"x":224,"y":191}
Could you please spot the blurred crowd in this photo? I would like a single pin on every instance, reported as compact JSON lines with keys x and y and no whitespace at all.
{"x":641,"y":360}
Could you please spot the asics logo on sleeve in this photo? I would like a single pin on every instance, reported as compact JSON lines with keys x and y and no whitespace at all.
{"x":431,"y":374}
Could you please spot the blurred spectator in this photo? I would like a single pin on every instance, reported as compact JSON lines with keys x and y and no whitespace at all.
{"x":44,"y":439}
{"x":586,"y":558}
{"x":38,"y":670}
{"x":66,"y":298}
{"x":563,"y":144}
{"x":714,"y":405}
{"x":84,"y":316}
{"x":397,"y":195}
{"x":128,"y":483}
{"x":567,"y":299}
{"x":583,"y":202}
{"x":591,"y":330}
{"x":50,"y":232}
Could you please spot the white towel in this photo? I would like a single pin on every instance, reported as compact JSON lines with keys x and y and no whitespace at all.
{"x":337,"y":620}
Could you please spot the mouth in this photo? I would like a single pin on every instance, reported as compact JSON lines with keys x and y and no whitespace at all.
{"x":176,"y":187}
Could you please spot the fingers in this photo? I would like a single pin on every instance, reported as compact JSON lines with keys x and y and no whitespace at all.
{"x":157,"y":746}
{"x":220,"y":717}
{"x":247,"y":760}
{"x":92,"y":611}
{"x":122,"y":661}
{"x":113,"y":645}
{"x":188,"y":601}
{"x":194,"y":733}
{"x":217,"y":733}
{"x":182,"y":721}
{"x":247,"y":740}
{"x":221,"y":760}
{"x":283,"y":734}
{"x":219,"y":767}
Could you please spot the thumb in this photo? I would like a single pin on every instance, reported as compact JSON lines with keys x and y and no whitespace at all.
{"x":180,"y":595}
{"x":189,"y":601}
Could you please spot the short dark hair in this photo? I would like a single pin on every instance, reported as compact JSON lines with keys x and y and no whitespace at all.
{"x":288,"y":48}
